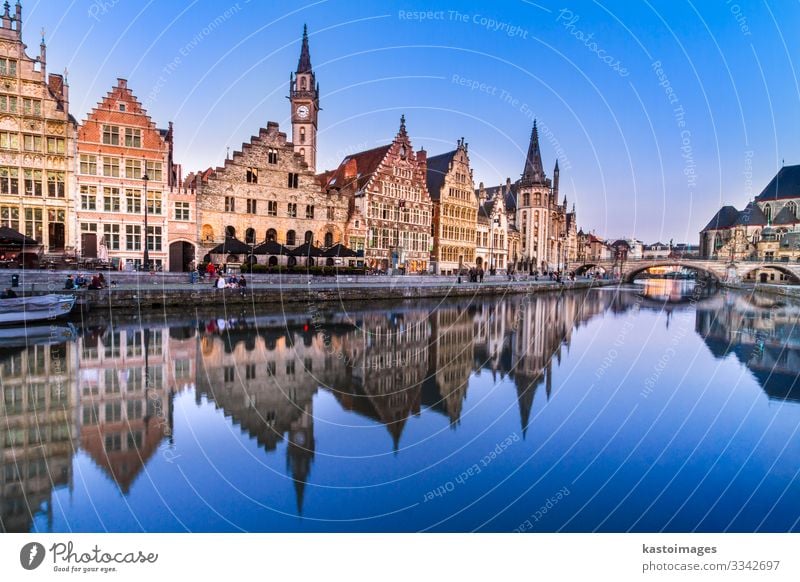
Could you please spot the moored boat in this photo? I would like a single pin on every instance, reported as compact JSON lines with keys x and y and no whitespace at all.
{"x":37,"y":308}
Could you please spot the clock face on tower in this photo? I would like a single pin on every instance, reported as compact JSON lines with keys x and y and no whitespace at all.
{"x":302,"y":111}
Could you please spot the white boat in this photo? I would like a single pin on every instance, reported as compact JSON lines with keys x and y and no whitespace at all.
{"x":37,"y":333}
{"x":37,"y":308}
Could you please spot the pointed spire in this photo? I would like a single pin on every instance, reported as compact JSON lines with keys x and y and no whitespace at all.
{"x":534,"y":172}
{"x":304,"y":64}
{"x":403,"y":124}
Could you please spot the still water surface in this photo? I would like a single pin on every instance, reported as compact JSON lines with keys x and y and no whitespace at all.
{"x":648,"y":409}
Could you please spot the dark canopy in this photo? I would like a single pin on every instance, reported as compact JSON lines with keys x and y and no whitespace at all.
{"x":306,"y":250}
{"x":271,"y":248}
{"x":231,"y":246}
{"x":339,"y":250}
{"x":10,"y":237}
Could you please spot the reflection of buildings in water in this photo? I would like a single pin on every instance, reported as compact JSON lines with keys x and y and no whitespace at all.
{"x":38,"y":430}
{"x":126,"y":381}
{"x":762,"y":337}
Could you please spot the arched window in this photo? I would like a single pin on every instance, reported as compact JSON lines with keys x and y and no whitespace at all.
{"x":207,"y":233}
{"x":291,"y":238}
{"x":302,"y":135}
{"x":230,"y":232}
{"x":308,"y":237}
{"x":768,"y":212}
{"x":792,"y":206}
{"x":756,"y":236}
{"x":328,"y":239}
{"x":717,"y":242}
{"x":250,"y":236}
{"x":526,"y":199}
{"x":272,"y":261}
{"x":272,"y":236}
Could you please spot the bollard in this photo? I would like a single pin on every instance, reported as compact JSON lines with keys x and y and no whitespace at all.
{"x":15,"y":280}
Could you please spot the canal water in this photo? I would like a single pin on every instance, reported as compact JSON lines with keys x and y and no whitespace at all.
{"x":660,"y":407}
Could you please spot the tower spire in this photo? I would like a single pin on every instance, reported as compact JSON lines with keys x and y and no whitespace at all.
{"x":304,"y":64}
{"x":534,"y":172}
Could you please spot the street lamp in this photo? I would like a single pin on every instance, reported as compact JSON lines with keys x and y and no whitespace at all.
{"x":146,"y":257}
{"x":491,"y":249}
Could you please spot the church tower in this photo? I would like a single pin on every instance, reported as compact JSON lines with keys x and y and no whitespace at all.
{"x":534,"y":208}
{"x":300,"y":453}
{"x":304,"y":97}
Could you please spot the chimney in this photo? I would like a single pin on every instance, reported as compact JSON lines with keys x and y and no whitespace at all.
{"x":481,"y":193}
{"x":422,"y":158}
{"x":18,"y":18}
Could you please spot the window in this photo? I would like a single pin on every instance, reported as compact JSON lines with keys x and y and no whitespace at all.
{"x":133,"y":237}
{"x":768,"y":212}
{"x":8,"y":104}
{"x":88,"y":165}
{"x":272,"y":156}
{"x":328,"y":239}
{"x":9,"y":216}
{"x":251,"y":206}
{"x":331,"y":214}
{"x":230,"y":204}
{"x":272,"y":208}
{"x":88,"y":197}
{"x":133,"y":201}
{"x":56,"y":145}
{"x":133,"y":137}
{"x":122,"y":107}
{"x":8,"y":67}
{"x":154,"y":202}
{"x":110,"y":199}
{"x":292,"y":181}
{"x":110,"y":135}
{"x":302,"y":135}
{"x":33,"y":182}
{"x":33,"y":223}
{"x":291,"y":209}
{"x":133,"y":169}
{"x":309,"y":211}
{"x":153,"y":171}
{"x":792,"y":206}
{"x":526,"y":199}
{"x":111,"y":167}
{"x":32,"y":143}
{"x":154,"y":238}
{"x":9,"y":141}
{"x":9,"y":181}
{"x":55,"y":184}
{"x":250,"y":236}
{"x":252,"y":175}
{"x":308,"y":237}
{"x":31,"y":106}
{"x":291,"y":238}
{"x":229,"y":374}
{"x":181,"y":211}
{"x":111,"y":235}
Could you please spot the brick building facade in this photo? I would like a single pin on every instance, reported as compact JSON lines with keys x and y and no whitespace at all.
{"x":118,"y":146}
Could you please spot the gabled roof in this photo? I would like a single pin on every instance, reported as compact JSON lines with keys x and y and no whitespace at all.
{"x":438,"y":166}
{"x":785,"y":216}
{"x":751,"y":216}
{"x":785,"y":184}
{"x":620,"y":243}
{"x":358,"y":168}
{"x":724,"y":218}
{"x":510,"y":196}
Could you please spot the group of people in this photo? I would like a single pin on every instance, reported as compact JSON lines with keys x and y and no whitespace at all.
{"x":230,"y":282}
{"x":9,"y":293}
{"x":82,"y":282}
{"x":475,"y":275}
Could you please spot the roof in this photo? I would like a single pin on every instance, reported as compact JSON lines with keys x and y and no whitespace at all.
{"x":752,"y":216}
{"x":438,"y":166}
{"x":785,"y":184}
{"x":621,"y":243}
{"x":510,"y":194}
{"x":785,"y":216}
{"x":724,"y":218}
{"x":359,"y":167}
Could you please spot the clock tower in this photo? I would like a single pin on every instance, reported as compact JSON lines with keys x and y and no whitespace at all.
{"x":304,"y":97}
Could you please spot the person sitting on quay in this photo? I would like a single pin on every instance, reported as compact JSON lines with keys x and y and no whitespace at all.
{"x":69,"y":283}
{"x":220,"y":282}
{"x":242,"y":282}
{"x":211,"y":270}
{"x":102,"y":279}
{"x":95,"y":283}
{"x":80,"y":281}
{"x":8,"y":294}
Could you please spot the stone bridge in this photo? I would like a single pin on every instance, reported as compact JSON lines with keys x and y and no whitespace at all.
{"x":726,"y":271}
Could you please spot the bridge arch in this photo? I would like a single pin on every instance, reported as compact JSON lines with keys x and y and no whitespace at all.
{"x":583,"y":269}
{"x":629,"y":272}
{"x":760,"y":278}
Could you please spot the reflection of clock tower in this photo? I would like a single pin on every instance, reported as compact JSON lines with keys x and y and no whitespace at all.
{"x":304,"y":96}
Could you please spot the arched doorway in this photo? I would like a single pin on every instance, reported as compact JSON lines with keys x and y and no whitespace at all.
{"x":272,"y":261}
{"x":207,"y":233}
{"x":479,"y":262}
{"x":181,"y":256}
{"x":230,"y":232}
{"x":308,"y":237}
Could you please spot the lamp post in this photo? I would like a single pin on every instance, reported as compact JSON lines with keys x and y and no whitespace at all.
{"x":146,"y":257}
{"x":491,"y":249}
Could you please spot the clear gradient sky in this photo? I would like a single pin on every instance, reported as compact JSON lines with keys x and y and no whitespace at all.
{"x":658,"y":110}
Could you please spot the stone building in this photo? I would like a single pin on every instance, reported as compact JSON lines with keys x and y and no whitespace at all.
{"x":494,"y":233}
{"x":455,"y":210}
{"x":267,"y":191}
{"x":123,"y":159}
{"x":36,"y":143}
{"x":547,"y":230}
{"x":387,"y":187}
{"x":734,"y":234}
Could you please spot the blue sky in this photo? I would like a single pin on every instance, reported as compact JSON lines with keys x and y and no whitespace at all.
{"x":659,"y":111}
